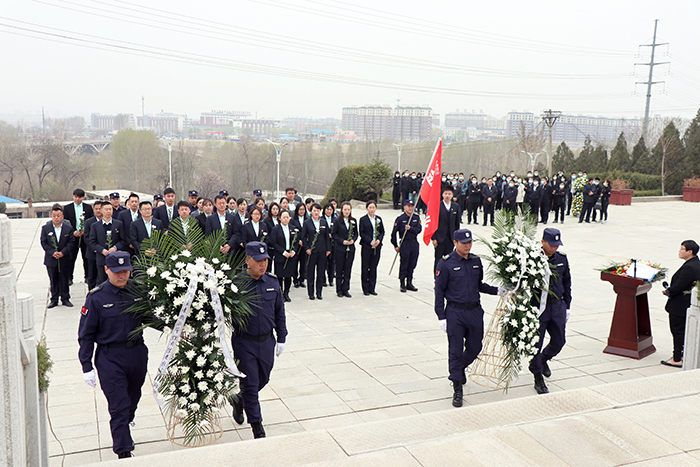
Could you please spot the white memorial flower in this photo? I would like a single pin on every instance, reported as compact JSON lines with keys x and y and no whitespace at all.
{"x":210,"y":373}
{"x":195,"y":407}
{"x":173,"y":257}
{"x":215,"y":410}
{"x":225,"y":267}
{"x":202,"y":385}
{"x":188,"y":329}
{"x":170,"y":288}
{"x":186,"y":253}
{"x":206,"y":327}
{"x":219,"y":274}
{"x":180,"y":413}
{"x":204,"y":425}
{"x":221,"y":290}
{"x":219,"y":377}
{"x":152,"y":271}
{"x":190,"y":354}
{"x":219,"y":386}
{"x":165,"y":275}
{"x":200,"y":316}
{"x":180,"y":265}
{"x":178,"y":301}
{"x":192,"y":396}
{"x":167,"y":330}
{"x":182,"y":400}
{"x":201,"y":361}
{"x":153,"y":293}
{"x":185,"y":388}
{"x":158,"y":311}
{"x":207,"y":349}
{"x":199,"y":374}
{"x":215,"y":364}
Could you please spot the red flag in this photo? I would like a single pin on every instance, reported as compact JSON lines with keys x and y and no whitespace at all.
{"x":431,"y":193}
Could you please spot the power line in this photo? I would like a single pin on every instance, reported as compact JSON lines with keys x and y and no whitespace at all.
{"x":131,"y":48}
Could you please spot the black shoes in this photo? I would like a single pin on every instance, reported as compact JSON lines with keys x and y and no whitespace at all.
{"x":67,"y":303}
{"x":319,"y":296}
{"x":365,"y":294}
{"x":403,"y":285}
{"x":125,"y":455}
{"x":258,"y":430}
{"x":70,"y":282}
{"x":545,"y":370}
{"x":347,"y":294}
{"x":286,"y":298}
{"x":311,"y":297}
{"x":236,"y":402}
{"x":373,"y":293}
{"x":410,"y":286}
{"x":540,"y":386}
{"x":340,"y":295}
{"x":458,"y":395}
{"x":52,"y":305}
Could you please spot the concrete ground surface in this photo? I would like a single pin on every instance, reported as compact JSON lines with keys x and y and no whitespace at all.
{"x":364,"y":380}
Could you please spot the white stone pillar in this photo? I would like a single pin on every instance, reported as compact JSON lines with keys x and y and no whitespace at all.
{"x":691,"y":349}
{"x":12,"y":426}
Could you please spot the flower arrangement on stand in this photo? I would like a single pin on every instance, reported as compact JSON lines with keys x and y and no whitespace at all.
{"x":517,"y":263}
{"x":631,"y":267}
{"x":193,"y":289}
{"x":577,"y":202}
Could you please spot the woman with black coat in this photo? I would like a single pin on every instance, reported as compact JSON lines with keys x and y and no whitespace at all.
{"x":344,"y":234}
{"x":284,"y":241}
{"x":371,"y":236}
{"x":298,"y":220}
{"x":330,"y":216}
{"x":316,"y":237}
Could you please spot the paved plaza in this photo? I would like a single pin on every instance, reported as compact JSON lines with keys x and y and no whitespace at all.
{"x":377,"y":367}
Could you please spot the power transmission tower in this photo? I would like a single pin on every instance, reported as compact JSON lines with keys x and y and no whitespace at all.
{"x":550,"y":117}
{"x":651,"y":81}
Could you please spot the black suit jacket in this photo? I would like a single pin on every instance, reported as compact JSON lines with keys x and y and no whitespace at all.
{"x":138,"y":232}
{"x":125,"y":219}
{"x":98,"y":239}
{"x":323,"y":241}
{"x":681,"y":282}
{"x":447,"y":223}
{"x":489,"y":192}
{"x":69,"y":214}
{"x":161,"y":213}
{"x":90,"y":251}
{"x":247,"y":233}
{"x":63,"y":244}
{"x":340,"y":233}
{"x":367,"y":232}
{"x":277,"y":243}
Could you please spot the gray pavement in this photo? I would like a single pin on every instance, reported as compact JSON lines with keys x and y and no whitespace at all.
{"x":365,"y":360}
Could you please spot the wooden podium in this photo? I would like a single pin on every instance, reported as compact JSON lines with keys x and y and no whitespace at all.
{"x":630,"y":332}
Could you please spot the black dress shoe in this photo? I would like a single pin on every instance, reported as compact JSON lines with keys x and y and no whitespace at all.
{"x":319,"y":296}
{"x":286,"y":297}
{"x":366,"y":293}
{"x":545,"y":370}
{"x":70,"y":282}
{"x":125,"y":455}
{"x":236,"y":402}
{"x":52,"y":305}
{"x":325,"y":284}
{"x":458,"y":394}
{"x":330,"y":283}
{"x":258,"y":430}
{"x":373,"y":293}
{"x":311,"y":297}
{"x":67,"y":303}
{"x":347,"y":294}
{"x":340,"y":295}
{"x":540,"y":385}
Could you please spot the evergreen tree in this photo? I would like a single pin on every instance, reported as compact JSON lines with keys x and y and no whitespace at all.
{"x":620,"y":156}
{"x":692,"y":146}
{"x":599,"y":159}
{"x":563,"y":159}
{"x":669,"y":153}
{"x":640,"y":158}
{"x":585,"y":158}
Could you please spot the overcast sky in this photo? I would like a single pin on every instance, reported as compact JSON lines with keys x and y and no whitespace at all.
{"x":310,"y":58}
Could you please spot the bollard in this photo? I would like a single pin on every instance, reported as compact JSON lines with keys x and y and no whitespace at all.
{"x":691,"y":349}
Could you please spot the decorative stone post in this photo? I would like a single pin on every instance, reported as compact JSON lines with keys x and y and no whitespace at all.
{"x":691,"y":349}
{"x":12,"y":415}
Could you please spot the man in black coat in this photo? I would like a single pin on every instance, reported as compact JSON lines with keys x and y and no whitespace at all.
{"x":591,"y":192}
{"x":106,"y":236}
{"x":77,"y":213}
{"x":448,"y":223}
{"x":129,"y":215}
{"x":57,"y":241}
{"x":168,"y":211}
{"x":143,"y":227}
{"x":489,"y":193}
{"x":217,"y":219}
{"x":90,"y":251}
{"x":396,"y":193}
{"x":679,"y":298}
{"x":473,"y":200}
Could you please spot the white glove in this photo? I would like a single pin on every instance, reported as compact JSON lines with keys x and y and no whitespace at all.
{"x":279,"y":349}
{"x":89,"y":378}
{"x":502,"y":291}
{"x":568,"y":314}
{"x":443,"y":325}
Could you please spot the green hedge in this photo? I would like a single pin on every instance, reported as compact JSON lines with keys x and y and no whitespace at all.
{"x":344,"y":187}
{"x":647,"y":192}
{"x":637,"y":181}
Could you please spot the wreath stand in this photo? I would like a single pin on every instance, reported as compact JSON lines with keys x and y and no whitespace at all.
{"x":488,"y":367}
{"x":176,"y":436}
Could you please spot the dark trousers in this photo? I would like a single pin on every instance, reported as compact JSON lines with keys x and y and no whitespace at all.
{"x":553,"y":322}
{"x":535,"y":210}
{"x":465,"y":331}
{"x":604,"y":208}
{"x":101,"y":273}
{"x":302,"y":266}
{"x":499,"y":201}
{"x":315,"y":272}
{"x":59,"y":281}
{"x":78,"y":245}
{"x":92,"y":273}
{"x":488,"y":211}
{"x":586,"y":211}
{"x":677,"y":325}
{"x":255,"y":360}
{"x":409,"y":258}
{"x":285,"y":284}
{"x":330,"y":267}
{"x":472,"y":210}
{"x":461,"y":202}
{"x":442,"y":249}
{"x":396,"y":197}
{"x":569,"y":200}
{"x":512,"y":207}
{"x":544,"y":211}
{"x":343,"y":267}
{"x":559,"y":211}
{"x":122,"y":373}
{"x":370,"y":261}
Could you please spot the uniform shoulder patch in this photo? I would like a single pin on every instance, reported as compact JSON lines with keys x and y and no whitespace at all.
{"x":84,"y":311}
{"x":271,"y":275}
{"x":96,"y":289}
{"x":561,"y":252}
{"x":446,"y":256}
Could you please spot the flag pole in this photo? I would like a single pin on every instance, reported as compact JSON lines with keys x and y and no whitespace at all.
{"x":405,"y":231}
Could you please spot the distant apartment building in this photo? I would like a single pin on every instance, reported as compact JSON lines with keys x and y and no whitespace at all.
{"x":573,"y":129}
{"x":165,"y":123}
{"x":112,"y":122}
{"x":261,"y":125}
{"x":224,"y":118}
{"x":479,"y":125}
{"x":376,"y":122}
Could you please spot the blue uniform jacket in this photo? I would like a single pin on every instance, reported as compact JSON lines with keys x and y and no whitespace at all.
{"x":267,"y":306}
{"x":559,"y":281}
{"x":102,"y":320}
{"x":400,"y":227}
{"x":460,"y":280}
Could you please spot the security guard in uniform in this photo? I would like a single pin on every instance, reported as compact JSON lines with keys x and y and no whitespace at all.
{"x":254,"y":344}
{"x":556,"y":314}
{"x":121,"y":357}
{"x":408,"y":248}
{"x":459,"y":280}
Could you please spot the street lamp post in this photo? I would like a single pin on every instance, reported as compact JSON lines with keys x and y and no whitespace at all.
{"x":278,"y":150}
{"x":399,"y":146}
{"x":170,"y":163}
{"x":533,"y":157}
